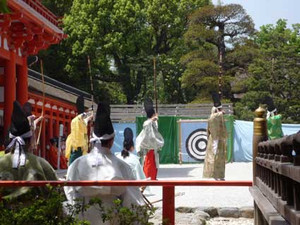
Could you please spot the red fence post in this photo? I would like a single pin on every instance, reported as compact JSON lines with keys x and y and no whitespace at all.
{"x":168,"y":205}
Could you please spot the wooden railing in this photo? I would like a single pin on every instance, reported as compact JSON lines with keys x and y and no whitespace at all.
{"x":168,"y":189}
{"x":277,"y":179}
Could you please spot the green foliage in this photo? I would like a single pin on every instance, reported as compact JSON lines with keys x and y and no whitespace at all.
{"x":210,"y":29}
{"x":32,"y":210}
{"x":123,"y":215}
{"x":274,"y":70}
{"x":49,"y":210}
{"x":58,"y":7}
{"x":121,"y":38}
{"x":3,"y":7}
{"x":249,"y":103}
{"x":187,"y":38}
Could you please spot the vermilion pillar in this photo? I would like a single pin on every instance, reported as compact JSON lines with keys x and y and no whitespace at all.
{"x":9,"y":88}
{"x":22,"y":82}
{"x":50,"y":135}
{"x":168,"y":205}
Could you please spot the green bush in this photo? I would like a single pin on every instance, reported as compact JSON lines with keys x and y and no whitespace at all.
{"x":48,"y":210}
{"x":123,"y":215}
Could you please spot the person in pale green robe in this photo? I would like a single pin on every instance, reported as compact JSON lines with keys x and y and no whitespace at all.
{"x":18,"y":164}
{"x":274,"y":127}
{"x":273,"y":120}
{"x":215,"y":156}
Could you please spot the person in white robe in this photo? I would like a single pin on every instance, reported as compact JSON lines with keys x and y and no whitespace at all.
{"x":129,"y":157}
{"x":132,"y":160}
{"x":101,"y":164}
{"x":149,"y":142}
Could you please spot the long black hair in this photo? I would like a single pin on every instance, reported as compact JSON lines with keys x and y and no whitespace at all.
{"x":126,"y":148}
{"x":128,"y":142}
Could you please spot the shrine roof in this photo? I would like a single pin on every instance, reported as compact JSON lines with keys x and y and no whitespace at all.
{"x":56,"y":88}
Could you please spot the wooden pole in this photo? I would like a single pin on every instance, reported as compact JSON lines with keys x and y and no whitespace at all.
{"x":220,"y":73}
{"x":43,"y":106}
{"x":92,"y":90}
{"x":154,"y":75}
{"x":91,"y":79}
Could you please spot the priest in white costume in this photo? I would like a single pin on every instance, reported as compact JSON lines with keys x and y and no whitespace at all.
{"x":102,"y":164}
{"x":149,"y":142}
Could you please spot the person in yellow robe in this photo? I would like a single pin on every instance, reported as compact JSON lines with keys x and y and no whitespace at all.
{"x":215,"y":157}
{"x":77,"y":141}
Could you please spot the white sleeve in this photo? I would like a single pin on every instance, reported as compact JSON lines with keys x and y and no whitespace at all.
{"x":132,"y":196}
{"x":70,"y":191}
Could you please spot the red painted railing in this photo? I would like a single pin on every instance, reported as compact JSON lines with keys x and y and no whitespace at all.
{"x":168,"y":188}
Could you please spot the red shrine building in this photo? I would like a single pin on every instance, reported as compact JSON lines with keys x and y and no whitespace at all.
{"x":27,"y":29}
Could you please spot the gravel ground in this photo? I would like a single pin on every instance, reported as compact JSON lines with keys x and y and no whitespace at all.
{"x":212,"y":221}
{"x":205,"y":196}
{"x":231,"y":221}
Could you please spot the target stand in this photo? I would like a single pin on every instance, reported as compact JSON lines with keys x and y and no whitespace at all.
{"x":192,"y":140}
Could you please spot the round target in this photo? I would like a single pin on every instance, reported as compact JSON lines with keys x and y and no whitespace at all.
{"x":196,"y":144}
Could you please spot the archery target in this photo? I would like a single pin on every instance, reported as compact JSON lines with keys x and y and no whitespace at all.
{"x":196,"y":144}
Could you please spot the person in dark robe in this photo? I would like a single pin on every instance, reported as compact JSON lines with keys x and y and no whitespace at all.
{"x":19,"y":164}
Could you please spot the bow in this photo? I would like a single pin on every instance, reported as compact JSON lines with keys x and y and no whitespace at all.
{"x":92,"y":92}
{"x":43,"y":107}
{"x":154,"y":81}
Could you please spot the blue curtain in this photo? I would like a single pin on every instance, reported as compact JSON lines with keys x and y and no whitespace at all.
{"x":243,"y":136}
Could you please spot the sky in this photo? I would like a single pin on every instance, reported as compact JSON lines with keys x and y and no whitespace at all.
{"x":269,"y":11}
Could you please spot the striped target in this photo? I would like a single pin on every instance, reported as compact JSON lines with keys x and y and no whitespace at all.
{"x":196,"y":144}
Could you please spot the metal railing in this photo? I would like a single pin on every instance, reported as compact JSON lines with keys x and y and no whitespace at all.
{"x":168,"y":188}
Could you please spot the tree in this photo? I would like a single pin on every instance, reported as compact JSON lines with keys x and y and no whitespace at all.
{"x":3,"y":7}
{"x":59,"y":7}
{"x":210,"y":29}
{"x":275,"y":72}
{"x":122,"y":37}
{"x":168,"y":21}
